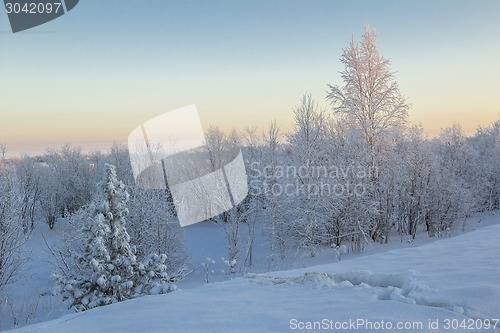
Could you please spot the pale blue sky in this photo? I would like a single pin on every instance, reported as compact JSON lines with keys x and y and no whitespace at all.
{"x":97,"y":72}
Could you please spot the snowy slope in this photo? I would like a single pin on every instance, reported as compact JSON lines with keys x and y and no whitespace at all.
{"x":454,"y":281}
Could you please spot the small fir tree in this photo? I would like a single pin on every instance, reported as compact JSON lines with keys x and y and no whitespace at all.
{"x":107,"y":270}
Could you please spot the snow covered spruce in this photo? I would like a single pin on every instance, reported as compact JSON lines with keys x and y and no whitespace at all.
{"x":105,"y":268}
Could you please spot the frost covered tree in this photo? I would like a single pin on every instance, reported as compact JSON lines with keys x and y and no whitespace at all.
{"x":405,"y":176}
{"x":328,"y":167}
{"x":223,"y":148}
{"x":50,"y":195}
{"x":451,"y":193}
{"x":306,"y":154}
{"x":105,"y":269}
{"x":28,"y":176}
{"x":73,"y":172}
{"x":370,"y":96}
{"x":277,"y":230}
{"x":66,"y":183}
{"x":252,"y":203}
{"x":348,"y":208}
{"x":486,"y":170}
{"x":151,"y":222}
{"x":12,"y":238}
{"x":154,"y":229}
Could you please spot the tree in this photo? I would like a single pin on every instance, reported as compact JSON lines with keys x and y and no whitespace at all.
{"x":251,"y":204}
{"x":451,"y":195}
{"x":105,"y":270}
{"x":154,"y":229}
{"x":370,"y":99}
{"x":222,"y":149}
{"x":152,"y":223}
{"x":305,"y":154}
{"x":370,"y":96}
{"x":28,"y":175}
{"x":66,"y":183}
{"x":50,"y":195}
{"x":74,"y":174}
{"x":12,"y":238}
{"x":406,"y":177}
{"x":485,"y":171}
{"x":277,"y":231}
{"x":347,"y":210}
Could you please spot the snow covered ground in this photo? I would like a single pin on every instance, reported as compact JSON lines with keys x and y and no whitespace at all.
{"x":31,"y":296}
{"x":449,"y":285}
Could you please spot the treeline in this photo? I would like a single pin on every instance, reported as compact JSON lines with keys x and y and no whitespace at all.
{"x":315,"y":186}
{"x":325,"y":186}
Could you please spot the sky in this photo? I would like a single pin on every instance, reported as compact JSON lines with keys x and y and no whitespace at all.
{"x":94,"y":74}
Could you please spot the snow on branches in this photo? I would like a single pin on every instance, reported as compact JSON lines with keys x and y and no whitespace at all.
{"x":107,"y":270}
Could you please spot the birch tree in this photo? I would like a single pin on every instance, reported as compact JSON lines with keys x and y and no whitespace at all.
{"x":369,"y":98}
{"x":305,"y":149}
{"x":370,"y":95}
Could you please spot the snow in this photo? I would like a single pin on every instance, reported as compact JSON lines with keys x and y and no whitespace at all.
{"x":32,"y":294}
{"x":448,"y":281}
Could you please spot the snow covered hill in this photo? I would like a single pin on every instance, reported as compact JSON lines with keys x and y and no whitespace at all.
{"x":452,"y":285}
